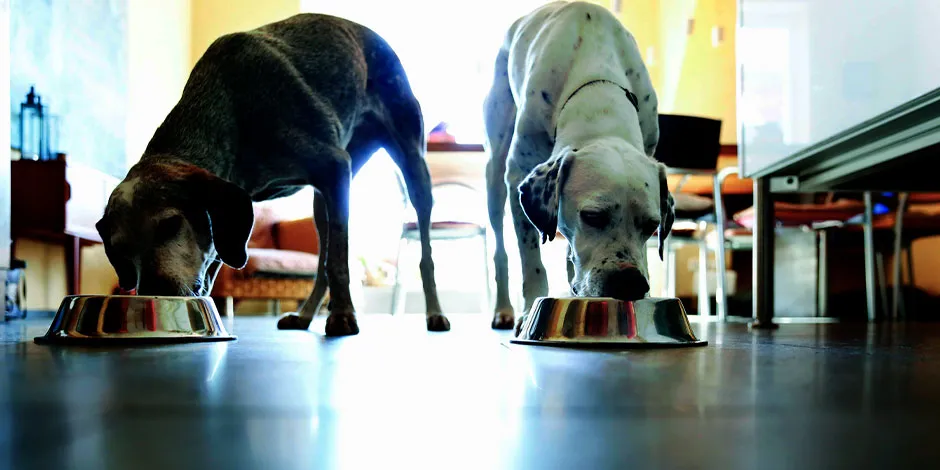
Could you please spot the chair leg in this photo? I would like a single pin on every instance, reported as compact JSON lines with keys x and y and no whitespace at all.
{"x":882,"y":282}
{"x":670,"y":268}
{"x":397,"y":289}
{"x":721,"y":291}
{"x":665,"y":278}
{"x":225,"y":306}
{"x":704,"y":300}
{"x":274,"y":306}
{"x":487,"y":307}
{"x":908,"y":250}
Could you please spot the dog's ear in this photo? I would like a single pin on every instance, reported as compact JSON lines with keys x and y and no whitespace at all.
{"x":540,"y":191}
{"x":667,"y":209}
{"x":124,"y":268}
{"x":231,"y":217}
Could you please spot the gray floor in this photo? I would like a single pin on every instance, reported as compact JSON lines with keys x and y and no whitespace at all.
{"x":828,"y":396}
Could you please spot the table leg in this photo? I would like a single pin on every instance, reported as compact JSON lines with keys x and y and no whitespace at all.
{"x":73,"y":265}
{"x":763,"y":256}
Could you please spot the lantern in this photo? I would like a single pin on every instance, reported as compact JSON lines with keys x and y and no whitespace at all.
{"x":34,"y":140}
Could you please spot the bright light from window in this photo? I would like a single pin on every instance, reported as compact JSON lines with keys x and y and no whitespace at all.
{"x":447,"y":49}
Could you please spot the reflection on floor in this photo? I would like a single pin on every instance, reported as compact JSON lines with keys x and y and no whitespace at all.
{"x":806,"y":396}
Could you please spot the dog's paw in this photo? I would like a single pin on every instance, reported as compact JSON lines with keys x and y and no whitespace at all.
{"x":341,"y":324}
{"x":503,"y":320}
{"x":293,"y":322}
{"x":519,"y":323}
{"x":438,"y":322}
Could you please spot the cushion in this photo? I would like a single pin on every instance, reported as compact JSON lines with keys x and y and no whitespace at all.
{"x":692,"y":202}
{"x":261,"y":235}
{"x":298,"y":235}
{"x":444,"y":225}
{"x":281,"y":262}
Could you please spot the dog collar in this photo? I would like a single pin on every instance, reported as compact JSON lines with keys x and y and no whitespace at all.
{"x":630,"y":96}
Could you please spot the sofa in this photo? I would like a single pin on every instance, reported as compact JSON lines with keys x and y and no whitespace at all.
{"x":282,"y":263}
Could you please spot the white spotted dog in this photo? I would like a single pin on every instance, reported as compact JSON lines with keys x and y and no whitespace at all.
{"x":571,"y":128}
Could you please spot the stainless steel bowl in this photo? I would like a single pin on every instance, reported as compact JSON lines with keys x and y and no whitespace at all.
{"x":606,"y":322}
{"x":134,"y":319}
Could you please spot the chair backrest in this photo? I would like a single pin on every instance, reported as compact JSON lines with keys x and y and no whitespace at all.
{"x":688,"y":142}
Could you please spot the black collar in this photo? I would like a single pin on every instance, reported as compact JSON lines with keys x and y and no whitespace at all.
{"x":629,"y":94}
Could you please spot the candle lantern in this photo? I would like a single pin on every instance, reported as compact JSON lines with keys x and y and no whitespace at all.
{"x":34,"y":133}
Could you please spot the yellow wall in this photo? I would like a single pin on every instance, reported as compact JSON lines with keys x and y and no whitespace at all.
{"x":213,"y":18}
{"x":706,"y":80}
{"x":690,"y":74}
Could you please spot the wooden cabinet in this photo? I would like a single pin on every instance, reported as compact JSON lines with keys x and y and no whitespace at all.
{"x":56,"y":202}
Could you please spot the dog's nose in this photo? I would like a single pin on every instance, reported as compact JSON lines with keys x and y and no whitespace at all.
{"x":158,"y":286}
{"x":627,"y":284}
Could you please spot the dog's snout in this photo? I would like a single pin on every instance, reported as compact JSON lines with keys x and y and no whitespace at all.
{"x":626,"y":284}
{"x":156,"y":285}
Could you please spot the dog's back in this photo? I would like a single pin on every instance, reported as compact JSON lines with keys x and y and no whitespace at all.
{"x":560,"y":46}
{"x":310,"y":76}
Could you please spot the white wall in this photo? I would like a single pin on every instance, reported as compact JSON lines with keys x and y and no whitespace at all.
{"x":4,"y":134}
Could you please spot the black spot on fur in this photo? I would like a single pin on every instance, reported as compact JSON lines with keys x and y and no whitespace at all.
{"x":538,"y":270}
{"x":646,"y":98}
{"x":546,"y":97}
{"x":629,"y":72}
{"x":588,"y":16}
{"x":646,"y":184}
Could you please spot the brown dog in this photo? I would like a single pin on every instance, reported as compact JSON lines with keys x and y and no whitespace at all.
{"x":304,"y":101}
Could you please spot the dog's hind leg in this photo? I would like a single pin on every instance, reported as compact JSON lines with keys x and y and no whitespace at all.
{"x":410,"y":160}
{"x":499,"y":115}
{"x":313,"y":303}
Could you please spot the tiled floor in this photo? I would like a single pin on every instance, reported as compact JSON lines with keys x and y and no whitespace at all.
{"x":827,"y":396}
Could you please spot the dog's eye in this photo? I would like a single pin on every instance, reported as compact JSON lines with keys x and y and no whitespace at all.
{"x":596,"y":219}
{"x":168,"y":228}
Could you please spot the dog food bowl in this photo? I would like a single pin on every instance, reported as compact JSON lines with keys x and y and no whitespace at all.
{"x":607,"y":322}
{"x":103,"y":320}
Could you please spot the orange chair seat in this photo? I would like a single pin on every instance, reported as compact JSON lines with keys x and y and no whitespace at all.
{"x":791,"y":215}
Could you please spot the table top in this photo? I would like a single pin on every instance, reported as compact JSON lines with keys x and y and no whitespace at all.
{"x":883,"y":153}
{"x":396,"y":396}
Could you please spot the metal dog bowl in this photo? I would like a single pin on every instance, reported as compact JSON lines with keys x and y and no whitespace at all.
{"x":607,"y":322}
{"x":101,"y":320}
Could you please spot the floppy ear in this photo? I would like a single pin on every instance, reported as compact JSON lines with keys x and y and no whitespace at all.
{"x":667,"y":209}
{"x":124,"y":268}
{"x":540,"y":191}
{"x":231,"y":219}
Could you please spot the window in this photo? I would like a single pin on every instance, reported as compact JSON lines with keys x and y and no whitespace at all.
{"x":447,"y":48}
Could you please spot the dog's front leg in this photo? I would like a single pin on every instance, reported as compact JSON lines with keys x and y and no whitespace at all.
{"x":342,"y":319}
{"x":534,"y":277}
{"x":314,"y":303}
